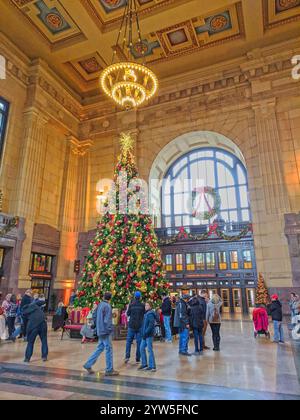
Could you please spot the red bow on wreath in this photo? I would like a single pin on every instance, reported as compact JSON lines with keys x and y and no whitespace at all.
{"x":182,"y":233}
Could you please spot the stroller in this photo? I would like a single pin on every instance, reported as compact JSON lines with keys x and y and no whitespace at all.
{"x":261,"y":322}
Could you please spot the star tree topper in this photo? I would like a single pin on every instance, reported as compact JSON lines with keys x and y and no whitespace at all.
{"x":127,"y":142}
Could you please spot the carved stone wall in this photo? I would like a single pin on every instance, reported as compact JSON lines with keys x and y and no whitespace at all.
{"x":292,"y":232}
{"x":60,"y":148}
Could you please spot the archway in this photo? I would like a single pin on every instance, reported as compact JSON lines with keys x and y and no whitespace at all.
{"x":177,"y":148}
{"x":222,"y":261}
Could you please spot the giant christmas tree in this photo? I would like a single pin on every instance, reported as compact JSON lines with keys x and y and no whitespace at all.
{"x":124,"y":256}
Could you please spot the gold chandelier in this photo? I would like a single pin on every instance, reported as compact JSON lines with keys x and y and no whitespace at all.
{"x":128,"y":83}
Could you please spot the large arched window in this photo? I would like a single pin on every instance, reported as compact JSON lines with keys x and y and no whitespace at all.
{"x":3,"y":123}
{"x":211,"y":167}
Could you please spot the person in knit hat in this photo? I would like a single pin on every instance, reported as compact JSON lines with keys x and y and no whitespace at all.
{"x":277,"y":317}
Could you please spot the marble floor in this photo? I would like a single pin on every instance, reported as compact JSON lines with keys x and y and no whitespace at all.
{"x":245,"y":369}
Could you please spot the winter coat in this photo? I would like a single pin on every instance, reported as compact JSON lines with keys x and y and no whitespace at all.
{"x":203,"y":303}
{"x":181,"y":318}
{"x":5,"y":306}
{"x":148,"y":327}
{"x":34,"y":316}
{"x":197,"y":315}
{"x":166,"y":307}
{"x":26,"y":300}
{"x":72,"y":299}
{"x":294,"y":306}
{"x":11,"y":311}
{"x":213,"y":312}
{"x":103,"y":319}
{"x":136,"y":312}
{"x":276,"y":311}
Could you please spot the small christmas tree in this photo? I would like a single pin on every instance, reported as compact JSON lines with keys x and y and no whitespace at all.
{"x":124,"y":256}
{"x":262,"y":295}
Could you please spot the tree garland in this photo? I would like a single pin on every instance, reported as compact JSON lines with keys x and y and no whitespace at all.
{"x":213,"y":230}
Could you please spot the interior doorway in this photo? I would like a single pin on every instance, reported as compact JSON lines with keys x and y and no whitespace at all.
{"x":237,"y":301}
{"x":226,"y":300}
{"x":250,"y":299}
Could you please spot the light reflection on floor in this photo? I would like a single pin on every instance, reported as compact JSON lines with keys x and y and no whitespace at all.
{"x":245,"y":369}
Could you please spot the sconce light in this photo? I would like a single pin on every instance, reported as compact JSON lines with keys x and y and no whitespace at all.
{"x":101,"y":198}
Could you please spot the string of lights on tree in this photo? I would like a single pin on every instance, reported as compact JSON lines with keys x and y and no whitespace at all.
{"x":124,"y":255}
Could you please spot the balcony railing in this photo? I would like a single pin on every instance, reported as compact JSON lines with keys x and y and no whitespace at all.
{"x":5,"y":219}
{"x":7,"y":223}
{"x":231,"y":228}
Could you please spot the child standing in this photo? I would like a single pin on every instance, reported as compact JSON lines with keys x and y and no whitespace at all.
{"x":148,"y":330}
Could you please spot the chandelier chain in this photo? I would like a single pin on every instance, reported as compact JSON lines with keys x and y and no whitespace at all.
{"x":128,"y":83}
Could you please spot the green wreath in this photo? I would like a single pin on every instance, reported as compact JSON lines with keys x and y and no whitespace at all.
{"x":212,"y":212}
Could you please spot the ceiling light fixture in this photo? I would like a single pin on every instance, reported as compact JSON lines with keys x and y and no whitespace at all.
{"x":128,"y":83}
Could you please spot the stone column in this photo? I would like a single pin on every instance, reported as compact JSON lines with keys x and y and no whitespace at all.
{"x":67,"y":205}
{"x":268,"y":142}
{"x":271,"y":245}
{"x":73,"y":208}
{"x":83,"y":185}
{"x":32,"y":162}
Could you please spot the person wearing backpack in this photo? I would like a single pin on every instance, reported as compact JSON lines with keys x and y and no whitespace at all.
{"x":213,"y":317}
{"x":135,"y":313}
{"x":197,"y":316}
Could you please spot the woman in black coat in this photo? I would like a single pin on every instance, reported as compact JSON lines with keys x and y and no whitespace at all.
{"x":197,"y":317}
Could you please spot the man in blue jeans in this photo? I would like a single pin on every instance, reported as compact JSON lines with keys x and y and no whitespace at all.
{"x":277,"y":317}
{"x":166,"y":309}
{"x":181,"y":321}
{"x":148,"y":329}
{"x":103,"y":322}
{"x":135,"y":312}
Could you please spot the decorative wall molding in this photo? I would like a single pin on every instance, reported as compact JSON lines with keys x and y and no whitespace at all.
{"x":80,"y":148}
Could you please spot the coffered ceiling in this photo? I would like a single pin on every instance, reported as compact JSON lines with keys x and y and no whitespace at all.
{"x":75,"y":37}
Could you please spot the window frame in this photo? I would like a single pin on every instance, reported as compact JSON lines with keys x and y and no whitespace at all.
{"x":168,"y":267}
{"x":172,"y":219}
{"x":247,"y":264}
{"x":209,"y":266}
{"x":190,"y":266}
{"x":234,"y":265}
{"x":221,"y":264}
{"x":178,"y":254}
{"x":33,"y":255}
{"x":3,"y":124}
